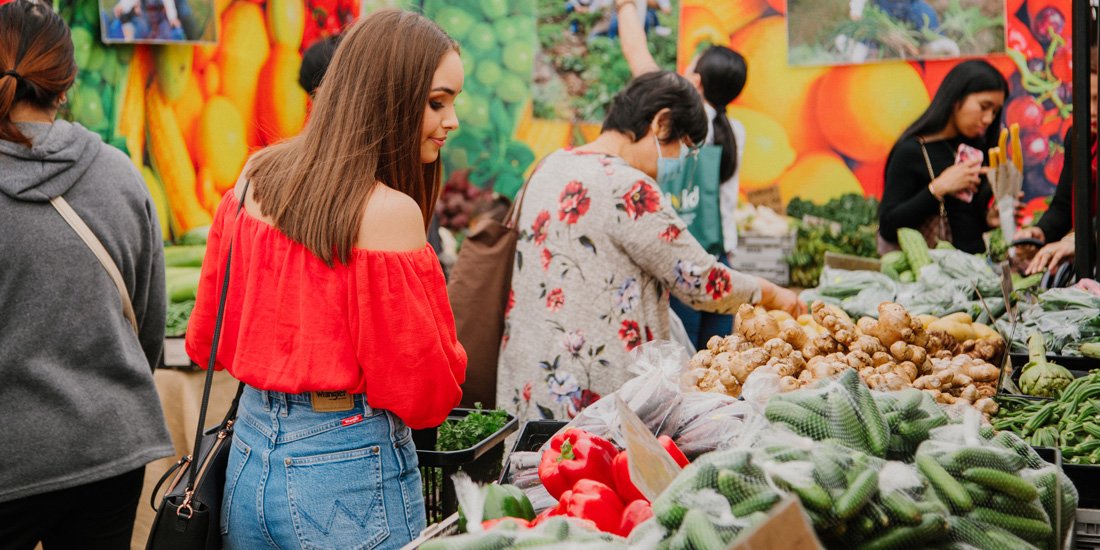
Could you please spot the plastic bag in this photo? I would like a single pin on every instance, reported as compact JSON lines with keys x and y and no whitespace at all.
{"x":554,"y":532}
{"x":654,"y":394}
{"x":840,"y":408}
{"x":910,"y":415}
{"x":988,"y":481}
{"x":708,"y":421}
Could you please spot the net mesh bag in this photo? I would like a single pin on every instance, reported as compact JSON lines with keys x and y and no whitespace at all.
{"x":996,"y":486}
{"x":554,"y":532}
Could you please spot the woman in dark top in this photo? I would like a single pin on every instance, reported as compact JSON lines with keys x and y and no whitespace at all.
{"x":966,"y":109}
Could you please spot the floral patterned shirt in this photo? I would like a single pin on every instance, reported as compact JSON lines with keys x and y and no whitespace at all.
{"x":599,"y":252}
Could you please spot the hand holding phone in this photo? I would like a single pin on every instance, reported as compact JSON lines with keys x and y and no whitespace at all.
{"x":966,"y":154}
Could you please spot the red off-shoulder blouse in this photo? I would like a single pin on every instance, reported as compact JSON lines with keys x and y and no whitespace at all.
{"x":380,"y":325}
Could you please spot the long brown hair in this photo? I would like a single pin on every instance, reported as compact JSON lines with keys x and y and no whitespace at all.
{"x":36,"y":60}
{"x":365,"y":128}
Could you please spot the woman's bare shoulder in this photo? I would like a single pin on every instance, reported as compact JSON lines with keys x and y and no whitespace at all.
{"x":392,"y":221}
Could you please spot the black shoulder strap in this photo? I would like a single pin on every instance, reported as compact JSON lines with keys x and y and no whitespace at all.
{"x":213,"y":358}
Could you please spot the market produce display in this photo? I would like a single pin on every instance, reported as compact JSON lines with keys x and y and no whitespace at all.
{"x":948,"y":358}
{"x":590,"y":478}
{"x":953,"y":282}
{"x":183,"y":265}
{"x":1068,"y":421}
{"x":846,"y":225}
{"x":1066,"y":317}
{"x":464,"y":433}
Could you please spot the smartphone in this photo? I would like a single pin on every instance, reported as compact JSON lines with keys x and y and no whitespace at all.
{"x":967,"y":153}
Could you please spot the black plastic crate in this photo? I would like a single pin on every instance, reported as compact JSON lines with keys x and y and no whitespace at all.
{"x":533,"y":435}
{"x":1086,"y":477}
{"x":482,"y":463}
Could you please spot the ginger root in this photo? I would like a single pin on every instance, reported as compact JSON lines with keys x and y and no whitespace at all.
{"x":836,"y":322}
{"x":756,"y":327}
{"x":793,"y":333}
{"x":893,"y":325}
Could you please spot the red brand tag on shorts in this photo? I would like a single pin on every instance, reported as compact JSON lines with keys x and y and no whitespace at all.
{"x":351,"y":420}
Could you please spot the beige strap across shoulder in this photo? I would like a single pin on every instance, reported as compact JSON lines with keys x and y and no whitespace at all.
{"x":93,"y":243}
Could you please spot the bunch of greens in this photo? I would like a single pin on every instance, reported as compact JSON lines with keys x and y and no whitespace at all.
{"x":455,"y":435}
{"x":847,"y":225}
{"x":179,"y":313}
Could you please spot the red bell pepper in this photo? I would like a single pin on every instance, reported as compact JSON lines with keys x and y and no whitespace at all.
{"x":674,"y":451}
{"x":634,"y":514}
{"x":620,"y":467}
{"x":593,"y":501}
{"x":575,"y":455}
{"x":626,"y":488}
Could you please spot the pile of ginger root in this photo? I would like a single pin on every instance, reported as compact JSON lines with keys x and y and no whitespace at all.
{"x":892,"y":352}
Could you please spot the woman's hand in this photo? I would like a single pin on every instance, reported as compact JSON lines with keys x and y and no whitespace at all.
{"x":957,"y":177}
{"x":775,"y":297}
{"x":1053,"y":254}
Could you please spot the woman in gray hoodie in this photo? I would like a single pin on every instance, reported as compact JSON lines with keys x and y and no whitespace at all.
{"x":79,"y":414}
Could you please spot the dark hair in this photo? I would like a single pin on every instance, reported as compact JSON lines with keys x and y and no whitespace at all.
{"x":633,"y":109}
{"x":315,"y":61}
{"x":722,"y":72}
{"x":969,"y":77}
{"x":36,"y":47}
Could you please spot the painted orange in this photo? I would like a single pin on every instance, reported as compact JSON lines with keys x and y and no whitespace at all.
{"x":778,"y":5}
{"x":871,"y":176}
{"x":767,"y":146}
{"x":818,"y":177}
{"x":280,"y":101}
{"x":222,"y":145}
{"x":870,"y":105}
{"x":775,"y":88}
{"x":732,"y":15}
{"x":698,"y":25}
{"x":243,"y":53}
{"x":211,"y":80}
{"x":187,"y":109}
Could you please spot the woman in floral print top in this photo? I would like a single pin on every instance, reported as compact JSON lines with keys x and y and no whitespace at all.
{"x":599,"y":253}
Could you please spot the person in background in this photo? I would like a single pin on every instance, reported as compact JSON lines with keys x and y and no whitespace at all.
{"x":80,"y":412}
{"x":1055,"y":226}
{"x":600,"y":251}
{"x":719,"y":75}
{"x":965,"y":110}
{"x":337,"y":317}
{"x":152,"y":19}
{"x":315,"y":61}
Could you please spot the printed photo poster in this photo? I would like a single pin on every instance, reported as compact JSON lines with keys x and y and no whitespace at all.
{"x":818,"y":132}
{"x":835,"y":32}
{"x":580,"y":66}
{"x":157,"y":21}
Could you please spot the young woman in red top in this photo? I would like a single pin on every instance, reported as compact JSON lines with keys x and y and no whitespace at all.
{"x":337,"y":318}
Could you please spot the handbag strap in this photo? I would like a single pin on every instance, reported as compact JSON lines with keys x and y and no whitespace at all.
{"x":77,"y":223}
{"x":232,"y":413}
{"x":932,"y":175}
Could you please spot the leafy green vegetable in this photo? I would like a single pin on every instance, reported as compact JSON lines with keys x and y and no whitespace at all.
{"x":1040,"y":377}
{"x":178,"y":314}
{"x":455,"y":435}
{"x":853,"y":232}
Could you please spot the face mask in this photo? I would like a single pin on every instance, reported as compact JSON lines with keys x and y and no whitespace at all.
{"x":669,"y":169}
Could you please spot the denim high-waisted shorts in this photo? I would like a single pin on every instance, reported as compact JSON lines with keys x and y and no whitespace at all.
{"x":303,"y":479}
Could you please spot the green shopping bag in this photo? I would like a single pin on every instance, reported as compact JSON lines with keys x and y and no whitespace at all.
{"x":692,"y":190}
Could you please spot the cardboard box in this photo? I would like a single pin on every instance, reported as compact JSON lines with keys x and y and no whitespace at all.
{"x":851,"y":263}
{"x":786,"y":528}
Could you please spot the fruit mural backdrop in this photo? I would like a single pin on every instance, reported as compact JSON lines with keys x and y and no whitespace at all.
{"x":820,"y":132}
{"x":190,"y":114}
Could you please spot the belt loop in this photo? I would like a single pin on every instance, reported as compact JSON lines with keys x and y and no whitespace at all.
{"x":367,"y":412}
{"x":286,"y":404}
{"x":266,"y":399}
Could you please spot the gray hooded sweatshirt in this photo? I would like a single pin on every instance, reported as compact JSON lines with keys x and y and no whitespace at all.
{"x":77,"y":399}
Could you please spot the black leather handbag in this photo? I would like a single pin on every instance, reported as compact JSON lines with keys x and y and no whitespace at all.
{"x":190,"y":509}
